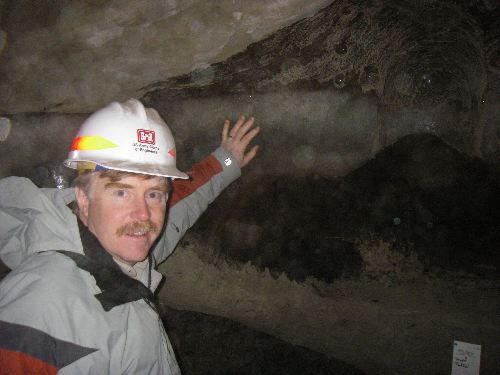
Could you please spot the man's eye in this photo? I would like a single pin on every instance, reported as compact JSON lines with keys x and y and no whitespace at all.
{"x":120,"y":193}
{"x":157,"y":195}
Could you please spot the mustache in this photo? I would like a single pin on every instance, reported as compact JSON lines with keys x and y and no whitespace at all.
{"x":140,"y":226}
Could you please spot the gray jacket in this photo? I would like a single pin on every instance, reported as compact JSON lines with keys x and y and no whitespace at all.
{"x":50,"y":319}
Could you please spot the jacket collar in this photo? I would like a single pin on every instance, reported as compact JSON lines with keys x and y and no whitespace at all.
{"x":116,"y":287}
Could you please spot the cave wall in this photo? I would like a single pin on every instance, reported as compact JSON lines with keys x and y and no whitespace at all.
{"x":322,"y":132}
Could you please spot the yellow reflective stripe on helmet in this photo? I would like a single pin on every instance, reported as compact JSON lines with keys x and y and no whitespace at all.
{"x":83,"y":166}
{"x":91,"y":142}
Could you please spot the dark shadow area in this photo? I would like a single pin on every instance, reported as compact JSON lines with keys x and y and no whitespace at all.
{"x":211,"y":345}
{"x":419,"y":194}
{"x":4,"y":270}
{"x":420,"y":191}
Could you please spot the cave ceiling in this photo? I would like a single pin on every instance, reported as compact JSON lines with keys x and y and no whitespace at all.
{"x":429,"y":65}
{"x":73,"y":56}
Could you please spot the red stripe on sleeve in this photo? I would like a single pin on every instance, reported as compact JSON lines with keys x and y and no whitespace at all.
{"x":17,"y":363}
{"x":200,"y":174}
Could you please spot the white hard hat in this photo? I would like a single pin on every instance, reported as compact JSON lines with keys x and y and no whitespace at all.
{"x":126,"y":137}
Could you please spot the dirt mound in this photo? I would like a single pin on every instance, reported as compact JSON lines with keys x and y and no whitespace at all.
{"x":420,"y":191}
{"x":421,"y":196}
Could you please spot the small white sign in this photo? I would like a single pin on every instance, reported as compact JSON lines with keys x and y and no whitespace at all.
{"x":466,"y":358}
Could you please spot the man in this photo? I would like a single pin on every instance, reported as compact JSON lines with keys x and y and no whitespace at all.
{"x":79,"y":297}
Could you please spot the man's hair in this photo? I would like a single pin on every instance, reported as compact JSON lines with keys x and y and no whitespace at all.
{"x":84,"y":180}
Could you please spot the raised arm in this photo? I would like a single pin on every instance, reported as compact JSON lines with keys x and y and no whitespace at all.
{"x":208,"y":178}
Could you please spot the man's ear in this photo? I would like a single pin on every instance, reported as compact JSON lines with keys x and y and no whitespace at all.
{"x":82,"y":200}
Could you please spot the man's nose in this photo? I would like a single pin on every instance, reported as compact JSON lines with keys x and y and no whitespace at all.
{"x":141,"y":210}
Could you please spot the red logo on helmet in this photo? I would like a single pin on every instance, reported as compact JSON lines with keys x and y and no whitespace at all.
{"x":146,"y":136}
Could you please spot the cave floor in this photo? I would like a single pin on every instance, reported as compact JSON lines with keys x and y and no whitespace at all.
{"x":385,"y":327}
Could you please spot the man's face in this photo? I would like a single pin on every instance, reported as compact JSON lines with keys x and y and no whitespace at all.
{"x":126,"y":216}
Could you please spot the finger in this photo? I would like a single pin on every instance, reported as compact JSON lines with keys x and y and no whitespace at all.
{"x":249,"y":136}
{"x":250,"y":155}
{"x":244,"y":128}
{"x":225,"y":130}
{"x":237,"y":126}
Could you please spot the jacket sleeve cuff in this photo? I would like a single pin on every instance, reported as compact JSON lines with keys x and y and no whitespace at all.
{"x":230,"y":169}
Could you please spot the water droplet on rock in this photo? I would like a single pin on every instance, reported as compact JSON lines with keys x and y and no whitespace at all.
{"x":341,"y":48}
{"x":339,"y":81}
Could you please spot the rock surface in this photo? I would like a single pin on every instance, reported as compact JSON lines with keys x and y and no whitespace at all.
{"x":69,"y":56}
{"x":433,"y":65}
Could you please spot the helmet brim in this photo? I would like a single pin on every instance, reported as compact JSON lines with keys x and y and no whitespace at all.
{"x":127,"y":166}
